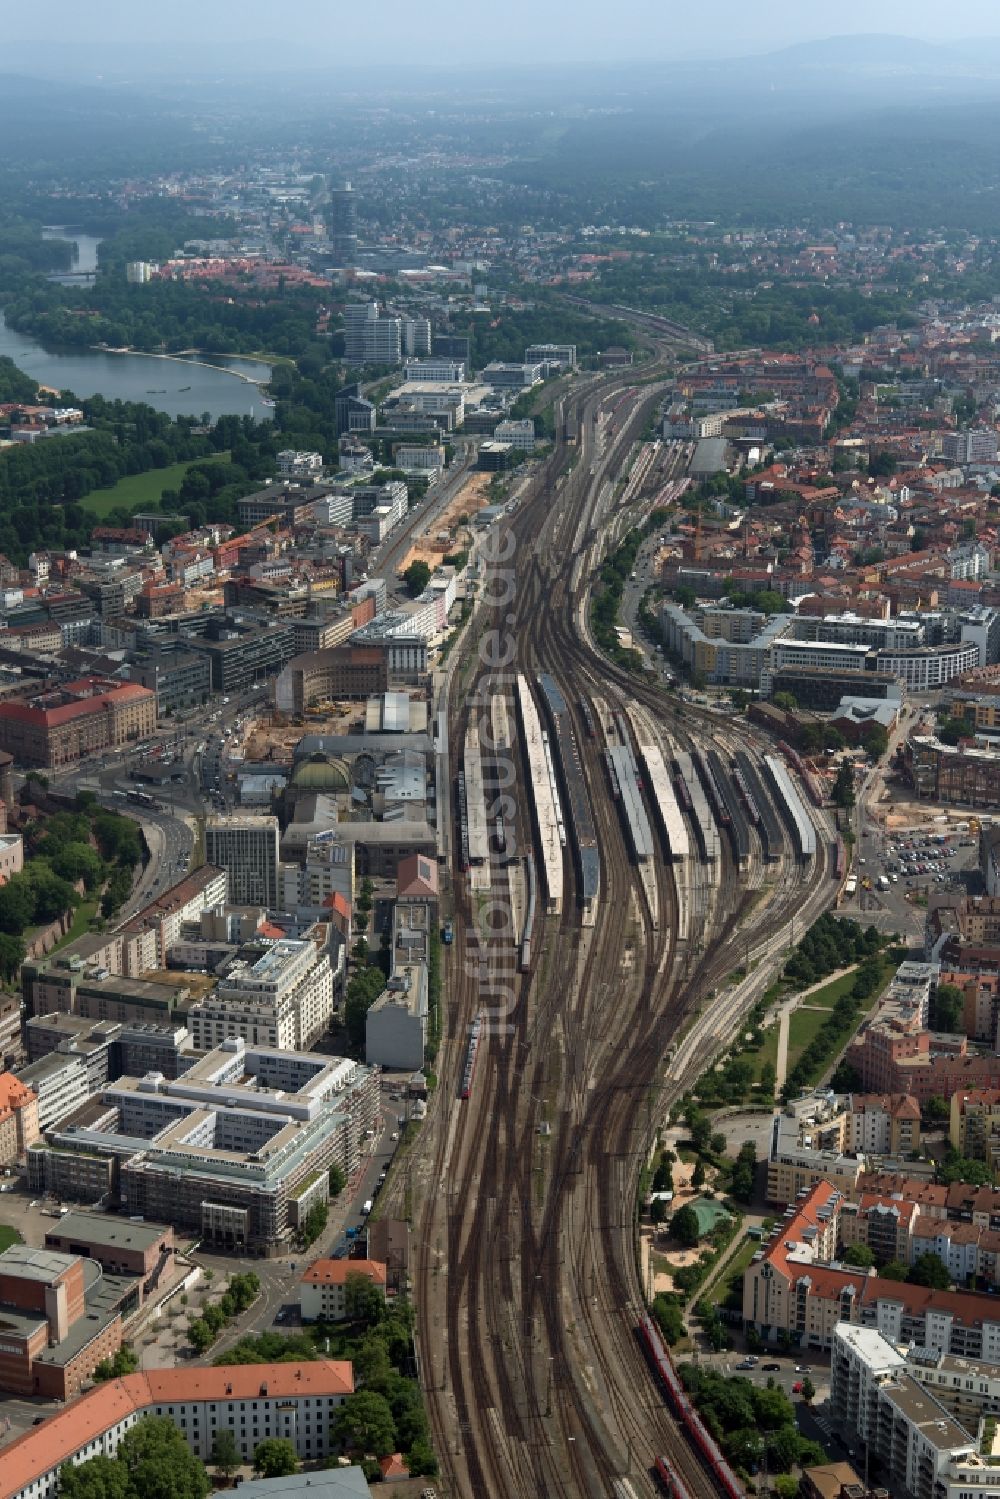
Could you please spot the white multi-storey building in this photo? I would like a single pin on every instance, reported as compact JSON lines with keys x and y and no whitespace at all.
{"x":254,"y":1401}
{"x":449,"y":371}
{"x":519,"y":433}
{"x":283,"y":1000}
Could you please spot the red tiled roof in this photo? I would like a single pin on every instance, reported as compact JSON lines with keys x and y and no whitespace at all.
{"x":70,"y":1429}
{"x":335,"y":1272}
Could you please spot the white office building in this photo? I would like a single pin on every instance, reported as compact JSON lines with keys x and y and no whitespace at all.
{"x":283,"y":1000}
{"x":519,"y":433}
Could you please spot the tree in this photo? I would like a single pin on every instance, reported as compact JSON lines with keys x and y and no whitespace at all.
{"x":698,"y":1175}
{"x":159,"y":1463}
{"x":97,"y":1478}
{"x":123,"y":1362}
{"x":338,"y":1180}
{"x":875,"y":741}
{"x":315,"y":1222}
{"x":785,"y":701}
{"x":958,"y":1168}
{"x":843,"y":786}
{"x":894,"y":1270}
{"x":416,"y":577}
{"x":684,"y":1227}
{"x":785,"y":1486}
{"x":808,"y":1390}
{"x":937,"y":1109}
{"x":718,"y":1143}
{"x":225,"y":1453}
{"x":860,"y":1255}
{"x":363,"y":1301}
{"x":364,"y":1423}
{"x":667,"y":1311}
{"x":930,"y":1270}
{"x":947,"y":1011}
{"x":200,"y":1335}
{"x":275,"y":1458}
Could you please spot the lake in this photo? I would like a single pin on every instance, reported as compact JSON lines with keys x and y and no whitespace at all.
{"x":179,"y":387}
{"x":85,"y":259}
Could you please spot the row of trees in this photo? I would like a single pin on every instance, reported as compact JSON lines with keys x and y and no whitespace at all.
{"x":240,"y":1294}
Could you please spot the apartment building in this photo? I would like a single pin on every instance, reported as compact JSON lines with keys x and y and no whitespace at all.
{"x":900,"y":1421}
{"x":882,"y":1124}
{"x":885,"y":1225}
{"x":283,"y":999}
{"x":297,"y":1402}
{"x":19,"y":1125}
{"x":806,"y":1149}
{"x":953,"y":773}
{"x":323,"y":1287}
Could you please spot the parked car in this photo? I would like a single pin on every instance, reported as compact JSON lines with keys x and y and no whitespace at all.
{"x":770,"y":1368}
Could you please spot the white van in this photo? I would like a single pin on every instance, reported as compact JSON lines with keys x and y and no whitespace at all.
{"x":367,"y":1208}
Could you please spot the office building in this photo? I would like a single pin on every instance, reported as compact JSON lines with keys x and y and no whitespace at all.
{"x":59,"y":1083}
{"x":236,"y":1150}
{"x":63,"y":725}
{"x":555,"y":356}
{"x":180,"y":677}
{"x":346,"y":671}
{"x":297,"y":1402}
{"x":61,"y":1316}
{"x":352,"y":412}
{"x":369,"y":337}
{"x":343,"y":223}
{"x":244,"y":649}
{"x":246,"y":848}
{"x":294,"y":464}
{"x":520,"y":434}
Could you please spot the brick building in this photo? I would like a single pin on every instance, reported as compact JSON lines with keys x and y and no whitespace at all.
{"x":18,"y":1118}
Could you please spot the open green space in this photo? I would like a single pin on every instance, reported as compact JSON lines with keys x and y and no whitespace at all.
{"x":734,"y":1270}
{"x":827,"y":997}
{"x":82,"y":917}
{"x":136,"y":491}
{"x":8,"y":1236}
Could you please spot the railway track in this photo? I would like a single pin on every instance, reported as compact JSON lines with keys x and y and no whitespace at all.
{"x":527,"y":1286}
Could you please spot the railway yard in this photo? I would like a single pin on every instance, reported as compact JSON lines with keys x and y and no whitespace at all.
{"x":622,"y":854}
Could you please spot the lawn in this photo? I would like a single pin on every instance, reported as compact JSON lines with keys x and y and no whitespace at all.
{"x":827,"y":997}
{"x":734,"y":1270}
{"x":139,"y":491}
{"x":82,"y":918}
{"x":8,"y":1236}
{"x":803,"y":1028}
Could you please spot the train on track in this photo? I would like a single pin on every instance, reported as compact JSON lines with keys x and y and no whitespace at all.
{"x":529,"y":920}
{"x":805,"y":775}
{"x":587,"y":715}
{"x":472,"y":1055}
{"x":680,"y":1404}
{"x":578,"y":816}
{"x":462,"y":803}
{"x":669,"y":1481}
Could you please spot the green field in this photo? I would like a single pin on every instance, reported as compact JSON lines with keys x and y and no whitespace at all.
{"x":827,"y":997}
{"x":8,"y":1236}
{"x":82,"y":917}
{"x":733,"y":1271}
{"x":139,"y":491}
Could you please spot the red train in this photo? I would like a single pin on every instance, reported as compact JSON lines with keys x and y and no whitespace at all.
{"x":839,"y":858}
{"x":669,"y":1481}
{"x":680,"y":1404}
{"x":806,"y":775}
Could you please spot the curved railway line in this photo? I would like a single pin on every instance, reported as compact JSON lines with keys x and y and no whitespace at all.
{"x":527,"y":1286}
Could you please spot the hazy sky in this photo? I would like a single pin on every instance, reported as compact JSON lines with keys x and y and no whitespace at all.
{"x":441,"y":32}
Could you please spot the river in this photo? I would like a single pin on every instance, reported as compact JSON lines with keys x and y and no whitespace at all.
{"x":180,"y":387}
{"x":85,"y":259}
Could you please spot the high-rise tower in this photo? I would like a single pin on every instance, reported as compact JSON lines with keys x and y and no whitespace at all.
{"x":343,"y":223}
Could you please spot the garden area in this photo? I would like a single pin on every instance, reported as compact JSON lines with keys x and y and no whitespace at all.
{"x":819,"y":1029}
